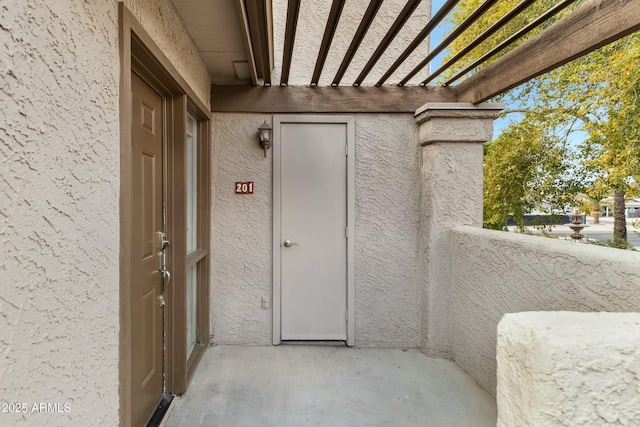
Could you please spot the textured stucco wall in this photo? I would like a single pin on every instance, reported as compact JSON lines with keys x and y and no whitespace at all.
{"x":59,"y":227}
{"x":451,"y":196}
{"x":387,"y":199}
{"x":241,"y":232}
{"x":387,"y":223}
{"x":59,"y":202}
{"x":569,"y":369}
{"x":494,"y":272}
{"x":311,"y":23}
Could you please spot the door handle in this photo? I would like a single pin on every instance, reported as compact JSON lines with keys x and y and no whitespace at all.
{"x":166,"y":278}
{"x":287,"y":243}
{"x":162,"y":268}
{"x":162,"y":264}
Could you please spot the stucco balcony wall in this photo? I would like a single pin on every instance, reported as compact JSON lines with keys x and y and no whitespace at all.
{"x":495,"y":272}
{"x":567,"y":368}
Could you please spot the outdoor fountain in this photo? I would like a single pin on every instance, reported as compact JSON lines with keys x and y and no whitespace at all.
{"x":576,"y":225}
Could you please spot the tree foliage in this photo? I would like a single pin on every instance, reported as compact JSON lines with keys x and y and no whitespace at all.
{"x":526,"y":167}
{"x":597,"y":95}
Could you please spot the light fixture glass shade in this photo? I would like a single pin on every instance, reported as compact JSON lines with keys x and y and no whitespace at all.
{"x":265,"y":136}
{"x":265,"y":132}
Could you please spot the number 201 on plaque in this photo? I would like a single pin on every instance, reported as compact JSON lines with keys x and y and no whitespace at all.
{"x":244,"y":187}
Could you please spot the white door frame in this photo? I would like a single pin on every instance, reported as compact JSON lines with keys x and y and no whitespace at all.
{"x":278,"y":120}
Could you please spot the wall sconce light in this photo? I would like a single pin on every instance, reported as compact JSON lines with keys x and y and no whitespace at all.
{"x":265,"y":136}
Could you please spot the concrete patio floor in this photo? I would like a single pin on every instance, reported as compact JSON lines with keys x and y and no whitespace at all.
{"x":301,"y":385}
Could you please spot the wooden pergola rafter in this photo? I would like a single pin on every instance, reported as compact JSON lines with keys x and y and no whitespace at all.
{"x":590,"y":26}
{"x":512,"y":38}
{"x":498,"y":25}
{"x":397,"y":25}
{"x":457,"y":31}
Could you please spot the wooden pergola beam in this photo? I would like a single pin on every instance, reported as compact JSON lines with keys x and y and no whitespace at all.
{"x":469,"y":21}
{"x":499,"y":24}
{"x":327,"y":38}
{"x":341,"y":99}
{"x":433,"y":23}
{"x":397,"y":25}
{"x":259,"y":31}
{"x":293,"y":10}
{"x":550,"y":13}
{"x":241,"y":12}
{"x":593,"y":25}
{"x":367,"y":19}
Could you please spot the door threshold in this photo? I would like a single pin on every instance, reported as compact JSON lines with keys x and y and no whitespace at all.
{"x":330,"y":343}
{"x":161,"y":410}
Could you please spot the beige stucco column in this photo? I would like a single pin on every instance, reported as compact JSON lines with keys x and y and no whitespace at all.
{"x":452,"y":135}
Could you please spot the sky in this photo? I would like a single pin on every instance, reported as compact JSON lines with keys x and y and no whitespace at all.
{"x":438,"y":34}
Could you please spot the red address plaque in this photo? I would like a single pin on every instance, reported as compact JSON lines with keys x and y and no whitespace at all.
{"x":244,"y":187}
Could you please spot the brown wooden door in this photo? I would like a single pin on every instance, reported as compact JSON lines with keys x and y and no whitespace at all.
{"x":146,"y":281}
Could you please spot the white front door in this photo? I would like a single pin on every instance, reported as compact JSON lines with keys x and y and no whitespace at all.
{"x":311,"y":240}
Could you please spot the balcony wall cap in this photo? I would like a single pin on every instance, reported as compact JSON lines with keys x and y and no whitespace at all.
{"x":462,"y":110}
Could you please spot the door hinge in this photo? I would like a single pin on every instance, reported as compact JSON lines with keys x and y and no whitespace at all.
{"x":346,"y":150}
{"x":346,"y":232}
{"x":346,"y":315}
